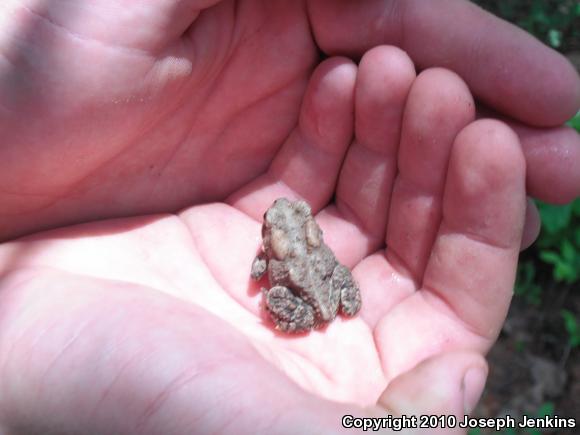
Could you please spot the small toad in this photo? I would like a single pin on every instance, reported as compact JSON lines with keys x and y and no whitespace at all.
{"x":308,"y":284}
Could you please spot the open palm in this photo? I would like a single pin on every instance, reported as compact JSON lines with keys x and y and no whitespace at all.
{"x":152,"y":324}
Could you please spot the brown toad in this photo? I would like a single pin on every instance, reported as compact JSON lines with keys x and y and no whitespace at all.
{"x":308,"y":284}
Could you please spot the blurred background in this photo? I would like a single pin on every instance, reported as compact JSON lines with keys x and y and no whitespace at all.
{"x":535,"y":366}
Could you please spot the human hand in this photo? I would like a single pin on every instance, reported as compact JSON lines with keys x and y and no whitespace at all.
{"x":124,"y":108}
{"x":152,"y":325}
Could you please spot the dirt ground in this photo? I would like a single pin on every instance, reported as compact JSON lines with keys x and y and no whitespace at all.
{"x":532,"y":364}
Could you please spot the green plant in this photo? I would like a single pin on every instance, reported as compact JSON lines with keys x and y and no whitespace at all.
{"x":555,"y":22}
{"x":558,"y":247}
{"x":572,"y":327}
{"x":559,"y":243}
{"x":526,"y":285}
{"x":575,"y":122}
{"x":546,"y":409}
{"x":566,"y":262}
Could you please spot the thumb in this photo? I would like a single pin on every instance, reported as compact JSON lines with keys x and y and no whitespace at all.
{"x":447,"y":385}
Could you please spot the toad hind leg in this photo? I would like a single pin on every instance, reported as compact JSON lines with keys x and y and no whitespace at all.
{"x":350,"y":300}
{"x":290,"y":313}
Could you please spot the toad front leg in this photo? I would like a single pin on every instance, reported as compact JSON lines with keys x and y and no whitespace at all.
{"x":259,"y":266}
{"x":350,"y":300}
{"x":289,"y":312}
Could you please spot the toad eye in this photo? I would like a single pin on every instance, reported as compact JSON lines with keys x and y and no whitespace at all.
{"x":303,"y":208}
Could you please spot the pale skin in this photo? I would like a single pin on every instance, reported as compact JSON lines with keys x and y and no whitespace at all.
{"x":151,"y":324}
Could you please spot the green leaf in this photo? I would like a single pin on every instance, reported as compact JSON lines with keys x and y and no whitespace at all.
{"x":576,"y":203}
{"x":555,"y":38}
{"x":572,"y":327}
{"x":526,"y":285}
{"x":564,"y":272}
{"x":569,"y":254}
{"x":554,"y":217}
{"x":524,"y":276}
{"x":546,"y":409}
{"x":550,"y":257}
{"x":565,"y":269}
{"x":575,"y":122}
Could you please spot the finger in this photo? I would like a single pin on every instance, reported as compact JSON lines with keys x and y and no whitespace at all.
{"x":532,"y":225}
{"x":552,"y":160}
{"x":439,"y":106}
{"x":365,"y":182}
{"x":503,"y":65}
{"x":308,"y":163}
{"x":471,"y":271}
{"x":448,"y":384}
{"x":469,"y":278}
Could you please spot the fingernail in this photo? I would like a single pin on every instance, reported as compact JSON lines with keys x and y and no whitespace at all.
{"x":473,"y":385}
